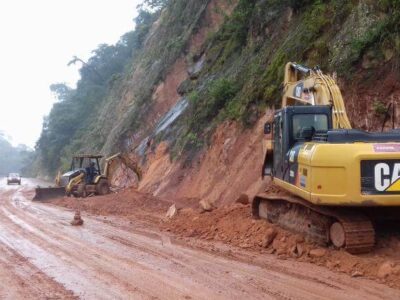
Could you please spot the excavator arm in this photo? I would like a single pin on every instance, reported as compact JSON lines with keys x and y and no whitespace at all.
{"x":125,"y":160}
{"x":305,"y":86}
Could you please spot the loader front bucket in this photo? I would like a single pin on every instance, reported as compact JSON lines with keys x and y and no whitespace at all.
{"x":46,"y":193}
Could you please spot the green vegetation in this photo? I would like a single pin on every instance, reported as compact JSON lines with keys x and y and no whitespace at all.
{"x":380,"y":41}
{"x":259,"y":38}
{"x":380,"y":108}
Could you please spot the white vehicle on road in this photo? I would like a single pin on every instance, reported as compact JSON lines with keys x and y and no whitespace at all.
{"x":14,"y":178}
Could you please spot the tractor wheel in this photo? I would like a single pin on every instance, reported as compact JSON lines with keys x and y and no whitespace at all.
{"x":102,"y":187}
{"x":81,"y":190}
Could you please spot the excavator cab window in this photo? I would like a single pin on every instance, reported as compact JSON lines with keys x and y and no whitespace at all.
{"x":293,"y":125}
{"x":305,"y":125}
{"x":80,"y":162}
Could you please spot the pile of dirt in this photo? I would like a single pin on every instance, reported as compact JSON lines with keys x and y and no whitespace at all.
{"x":127,"y":202}
{"x":233,"y":225}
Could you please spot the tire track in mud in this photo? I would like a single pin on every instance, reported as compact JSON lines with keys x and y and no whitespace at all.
{"x":269,"y":264}
{"x":206,"y":262}
{"x":42,"y":233}
{"x":133,"y":244}
{"x":205,"y":279}
{"x":54,"y":259}
{"x":20,"y":279}
{"x":144,"y":249}
{"x":83,"y":260}
{"x":111,"y":258}
{"x":318,"y":276}
{"x":168,"y":257}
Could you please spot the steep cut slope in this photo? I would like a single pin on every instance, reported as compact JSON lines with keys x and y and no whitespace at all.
{"x":189,"y":104}
{"x":228,"y":163}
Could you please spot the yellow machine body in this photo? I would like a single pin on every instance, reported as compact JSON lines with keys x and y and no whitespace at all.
{"x":335,"y":181}
{"x":330,"y":174}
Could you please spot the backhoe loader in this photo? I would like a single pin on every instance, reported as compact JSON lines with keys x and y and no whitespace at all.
{"x":77,"y":182}
{"x":334,"y":183}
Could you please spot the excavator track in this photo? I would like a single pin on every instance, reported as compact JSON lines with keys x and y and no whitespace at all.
{"x":357,"y":230}
{"x":344,"y":228}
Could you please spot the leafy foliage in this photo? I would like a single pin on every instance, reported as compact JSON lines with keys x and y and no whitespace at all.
{"x":380,"y":108}
{"x":205,"y":107}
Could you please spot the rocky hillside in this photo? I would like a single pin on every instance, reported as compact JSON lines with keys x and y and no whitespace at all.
{"x":185,"y":92}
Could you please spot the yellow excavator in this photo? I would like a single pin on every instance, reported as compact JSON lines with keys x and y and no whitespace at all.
{"x":84,"y":177}
{"x":331,"y":183}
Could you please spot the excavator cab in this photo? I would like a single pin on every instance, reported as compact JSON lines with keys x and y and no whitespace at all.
{"x":80,"y":165}
{"x":76,"y":181}
{"x":83,"y":161}
{"x":85,"y":177}
{"x":291,"y":128}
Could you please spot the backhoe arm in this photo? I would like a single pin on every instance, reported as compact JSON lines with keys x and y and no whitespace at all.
{"x":129,"y":163}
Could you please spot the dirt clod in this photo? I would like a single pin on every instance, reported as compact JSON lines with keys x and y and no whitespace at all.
{"x":205,"y":205}
{"x":385,"y":269}
{"x":269,"y":237}
{"x":357,"y":274}
{"x":299,"y":250}
{"x":243,"y":199}
{"x":318,"y":252}
{"x":279,"y":246}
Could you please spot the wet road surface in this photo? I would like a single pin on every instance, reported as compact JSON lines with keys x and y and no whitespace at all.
{"x":43,"y":257}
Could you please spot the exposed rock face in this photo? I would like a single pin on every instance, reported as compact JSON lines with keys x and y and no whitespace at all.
{"x":356,"y":26}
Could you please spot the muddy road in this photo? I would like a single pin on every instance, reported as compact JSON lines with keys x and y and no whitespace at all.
{"x":43,"y":257}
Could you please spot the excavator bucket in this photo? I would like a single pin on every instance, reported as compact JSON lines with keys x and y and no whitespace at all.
{"x":46,"y":193}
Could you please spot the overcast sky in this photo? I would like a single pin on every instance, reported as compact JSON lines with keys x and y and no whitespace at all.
{"x":38,"y":39}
